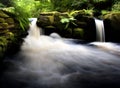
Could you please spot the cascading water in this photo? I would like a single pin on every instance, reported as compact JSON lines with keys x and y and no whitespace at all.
{"x":54,"y":62}
{"x":100,"y":33}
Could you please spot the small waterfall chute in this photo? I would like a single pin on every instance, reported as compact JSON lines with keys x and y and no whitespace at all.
{"x":100,"y":32}
{"x":34,"y":30}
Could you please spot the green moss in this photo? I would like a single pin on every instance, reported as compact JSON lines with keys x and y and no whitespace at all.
{"x":51,"y":19}
{"x":3,"y":43}
{"x":1,"y":27}
{"x":3,"y":40}
{"x":0,"y":50}
{"x":10,"y":36}
{"x":4,"y":25}
{"x":78,"y":32}
{"x":81,"y":13}
{"x":2,"y":20}
{"x":111,"y":15}
{"x":9,"y":20}
{"x":2,"y":14}
{"x":3,"y":32}
{"x":114,"y":20}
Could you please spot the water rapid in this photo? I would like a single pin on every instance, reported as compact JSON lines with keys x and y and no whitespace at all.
{"x":100,"y":32}
{"x":55,"y":62}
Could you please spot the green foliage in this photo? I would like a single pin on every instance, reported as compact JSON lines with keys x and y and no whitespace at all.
{"x":61,"y":5}
{"x":116,"y":6}
{"x":25,"y":9}
{"x":21,"y":14}
{"x":27,"y":6}
{"x":1,"y":5}
{"x":64,"y":5}
{"x":67,"y":5}
{"x":67,"y":20}
{"x":45,"y":6}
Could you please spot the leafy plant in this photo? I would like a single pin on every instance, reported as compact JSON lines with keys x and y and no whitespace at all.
{"x":45,"y":5}
{"x":116,"y":6}
{"x":23,"y":11}
{"x":1,"y":5}
{"x":20,"y":14}
{"x":68,"y":20}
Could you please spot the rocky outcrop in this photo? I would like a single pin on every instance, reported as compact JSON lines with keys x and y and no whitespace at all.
{"x":77,"y":24}
{"x":80,"y":24}
{"x":10,"y":34}
{"x":112,"y":26}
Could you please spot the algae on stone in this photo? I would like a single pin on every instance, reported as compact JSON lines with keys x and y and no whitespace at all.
{"x":4,"y":25}
{"x":2,"y":14}
{"x":2,"y":20}
{"x":9,"y":20}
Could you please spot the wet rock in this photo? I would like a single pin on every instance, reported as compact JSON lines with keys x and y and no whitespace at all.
{"x":4,"y":25}
{"x":10,"y":34}
{"x":9,"y":20}
{"x":2,"y":20}
{"x":112,"y":26}
{"x":64,"y":24}
{"x":2,"y":14}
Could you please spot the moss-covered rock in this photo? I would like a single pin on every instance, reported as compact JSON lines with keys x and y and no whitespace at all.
{"x":2,"y":20}
{"x":3,"y":45}
{"x":78,"y":33}
{"x":10,"y":34}
{"x":112,"y":26}
{"x":3,"y":15}
{"x":50,"y":21}
{"x":115,"y":20}
{"x":65,"y":23}
{"x":4,"y":25}
{"x":6,"y":22}
{"x":9,"y":20}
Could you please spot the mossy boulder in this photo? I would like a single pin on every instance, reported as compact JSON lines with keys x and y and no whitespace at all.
{"x":2,"y":20}
{"x":3,"y":15}
{"x":78,"y":33}
{"x":112,"y":26}
{"x":4,"y":25}
{"x":10,"y":34}
{"x":6,"y":22}
{"x":9,"y":20}
{"x":67,"y":24}
{"x":51,"y":22}
{"x":46,"y":19}
{"x":114,"y":19}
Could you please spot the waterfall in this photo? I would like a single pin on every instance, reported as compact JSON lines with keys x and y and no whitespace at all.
{"x":56,"y":62}
{"x":100,"y":33}
{"x":36,"y":32}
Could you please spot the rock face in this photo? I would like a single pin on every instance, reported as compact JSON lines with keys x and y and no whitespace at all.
{"x":80,"y":25}
{"x":10,"y":34}
{"x":76,"y":24}
{"x":112,"y":26}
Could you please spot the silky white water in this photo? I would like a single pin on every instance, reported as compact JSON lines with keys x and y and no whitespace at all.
{"x":100,"y":32}
{"x":56,"y":62}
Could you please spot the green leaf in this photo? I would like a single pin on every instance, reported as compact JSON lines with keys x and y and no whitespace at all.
{"x":65,"y":20}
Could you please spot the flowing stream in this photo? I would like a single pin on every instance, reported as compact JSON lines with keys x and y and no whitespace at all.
{"x":100,"y":32}
{"x":56,"y":62}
